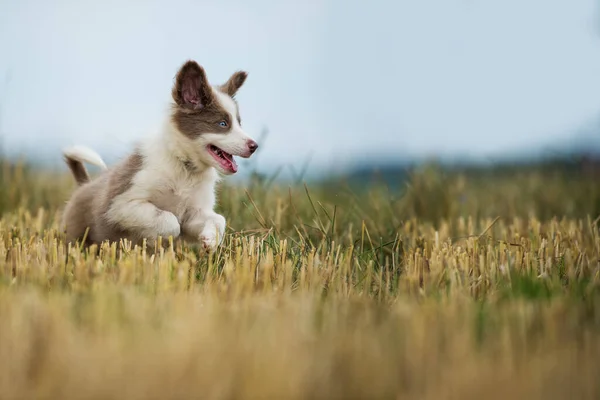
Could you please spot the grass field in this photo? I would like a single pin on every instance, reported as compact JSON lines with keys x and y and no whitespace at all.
{"x":455,"y":287}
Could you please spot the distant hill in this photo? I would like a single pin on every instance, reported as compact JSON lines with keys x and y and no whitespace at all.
{"x":396,"y":175}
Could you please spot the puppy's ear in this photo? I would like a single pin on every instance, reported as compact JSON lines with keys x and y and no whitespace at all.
{"x":191,"y":89}
{"x":234,"y":83}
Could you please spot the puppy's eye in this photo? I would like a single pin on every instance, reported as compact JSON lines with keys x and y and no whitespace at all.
{"x":223,"y":124}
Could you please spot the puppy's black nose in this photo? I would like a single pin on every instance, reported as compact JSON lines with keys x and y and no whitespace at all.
{"x":252,"y":145}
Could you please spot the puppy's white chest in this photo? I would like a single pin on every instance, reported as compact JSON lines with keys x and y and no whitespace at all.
{"x":180,"y":195}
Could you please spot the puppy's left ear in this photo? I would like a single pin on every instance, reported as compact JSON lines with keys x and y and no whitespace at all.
{"x":191,"y":89}
{"x":234,"y":83}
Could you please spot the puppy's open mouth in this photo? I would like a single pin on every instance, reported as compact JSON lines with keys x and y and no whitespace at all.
{"x":224,"y":159}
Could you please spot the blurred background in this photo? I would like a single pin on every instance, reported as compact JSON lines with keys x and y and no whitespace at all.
{"x":335,"y":86}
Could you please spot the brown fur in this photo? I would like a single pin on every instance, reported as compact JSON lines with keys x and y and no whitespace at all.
{"x":195,"y":123}
{"x":191,"y":89}
{"x":234,"y":83}
{"x":122,"y":179}
{"x":89,"y":203}
{"x":78,"y":169}
{"x":195,"y":110}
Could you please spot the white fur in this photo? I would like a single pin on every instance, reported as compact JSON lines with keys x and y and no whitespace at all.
{"x":85,"y":154}
{"x":162,"y":171}
{"x":235,"y":142}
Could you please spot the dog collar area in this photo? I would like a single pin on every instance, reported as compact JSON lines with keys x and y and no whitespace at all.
{"x":188,"y":165}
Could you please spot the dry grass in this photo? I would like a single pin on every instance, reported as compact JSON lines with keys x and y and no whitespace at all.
{"x":315,"y":294}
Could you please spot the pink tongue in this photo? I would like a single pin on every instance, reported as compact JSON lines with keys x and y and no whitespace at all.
{"x":230,"y":164}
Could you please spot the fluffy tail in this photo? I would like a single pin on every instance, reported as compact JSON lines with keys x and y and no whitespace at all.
{"x":75,"y":157}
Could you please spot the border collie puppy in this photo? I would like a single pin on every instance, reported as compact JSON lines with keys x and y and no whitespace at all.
{"x":166,"y":186}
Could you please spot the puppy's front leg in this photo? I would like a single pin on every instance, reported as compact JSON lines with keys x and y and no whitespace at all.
{"x":208,"y":228}
{"x":143,"y":219}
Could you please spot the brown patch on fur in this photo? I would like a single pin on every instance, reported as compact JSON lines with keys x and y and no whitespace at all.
{"x":122,"y":179}
{"x":194,"y":124}
{"x":89,"y":203}
{"x":196,"y":110}
{"x":191,"y":89}
{"x":234,"y":83}
{"x":78,"y":170}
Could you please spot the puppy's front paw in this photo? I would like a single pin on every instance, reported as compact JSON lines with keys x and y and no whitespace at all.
{"x":208,"y":240}
{"x":214,"y":231}
{"x":168,"y":225}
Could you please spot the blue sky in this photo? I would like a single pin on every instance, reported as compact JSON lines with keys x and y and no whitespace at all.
{"x":340,"y":80}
